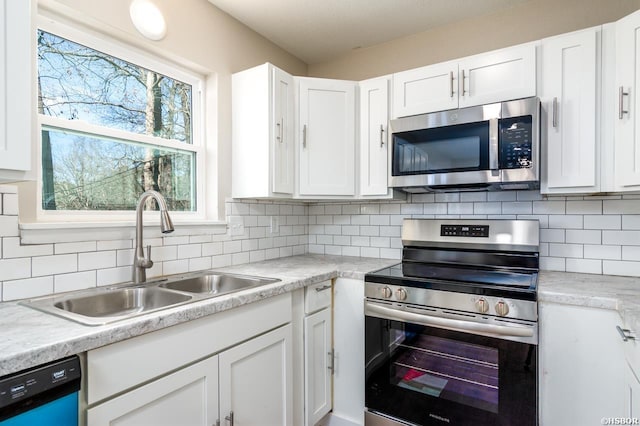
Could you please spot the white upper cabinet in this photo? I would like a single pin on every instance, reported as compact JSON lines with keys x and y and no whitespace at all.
{"x":498,"y":76}
{"x":627,"y":120}
{"x":425,"y":89}
{"x":568,"y":84}
{"x":486,"y":78}
{"x":326,"y":137}
{"x":263,"y":133}
{"x":16,"y":103}
{"x":374,"y":120}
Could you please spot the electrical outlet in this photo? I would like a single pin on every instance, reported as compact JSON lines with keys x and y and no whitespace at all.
{"x":236,"y":225}
{"x":274,"y":225}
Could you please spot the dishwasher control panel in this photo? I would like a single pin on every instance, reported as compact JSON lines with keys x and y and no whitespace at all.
{"x":18,"y":389}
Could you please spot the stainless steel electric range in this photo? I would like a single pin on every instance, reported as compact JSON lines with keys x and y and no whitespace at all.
{"x":451,"y":333}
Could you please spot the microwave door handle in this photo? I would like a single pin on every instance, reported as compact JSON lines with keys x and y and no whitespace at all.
{"x":493,"y":145}
{"x":448,"y":323}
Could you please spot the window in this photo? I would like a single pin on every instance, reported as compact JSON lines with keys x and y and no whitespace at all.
{"x":113,"y":124}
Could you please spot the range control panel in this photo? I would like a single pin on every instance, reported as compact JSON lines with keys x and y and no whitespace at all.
{"x":464,"y":230}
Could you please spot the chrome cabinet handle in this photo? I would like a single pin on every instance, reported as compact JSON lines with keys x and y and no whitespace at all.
{"x":625,"y":333}
{"x":280,"y":131}
{"x":554,"y":113}
{"x":464,"y":78}
{"x":621,"y":110}
{"x":371,"y":309}
{"x":493,"y":144}
{"x":451,"y":84}
{"x":229,"y":419}
{"x":330,"y":364}
{"x":323,"y":288}
{"x":304,"y":136}
{"x":381,"y":136}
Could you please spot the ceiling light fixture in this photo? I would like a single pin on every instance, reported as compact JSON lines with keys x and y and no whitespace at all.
{"x":148,"y":19}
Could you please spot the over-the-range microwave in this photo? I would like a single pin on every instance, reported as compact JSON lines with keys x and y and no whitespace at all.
{"x":487,"y":147}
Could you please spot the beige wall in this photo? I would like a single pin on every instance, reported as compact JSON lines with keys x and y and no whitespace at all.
{"x":205,"y":39}
{"x":530,"y":21}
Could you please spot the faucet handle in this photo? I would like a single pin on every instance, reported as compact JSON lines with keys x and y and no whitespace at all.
{"x":148,"y":263}
{"x":149,"y":252}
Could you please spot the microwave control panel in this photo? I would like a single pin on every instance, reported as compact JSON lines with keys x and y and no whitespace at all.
{"x":515,"y":143}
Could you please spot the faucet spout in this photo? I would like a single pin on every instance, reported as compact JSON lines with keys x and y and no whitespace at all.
{"x":141,"y":262}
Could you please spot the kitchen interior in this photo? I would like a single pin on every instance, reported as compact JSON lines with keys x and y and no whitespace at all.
{"x":409,"y":212}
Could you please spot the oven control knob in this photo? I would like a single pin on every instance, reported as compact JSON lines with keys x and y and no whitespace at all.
{"x":482,"y":305}
{"x":502,"y":308}
{"x":401,"y":294}
{"x":386,"y":292}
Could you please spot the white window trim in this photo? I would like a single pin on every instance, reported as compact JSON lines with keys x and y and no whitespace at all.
{"x":49,"y":218}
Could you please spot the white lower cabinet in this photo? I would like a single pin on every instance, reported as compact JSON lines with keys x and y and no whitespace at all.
{"x":256,"y":383}
{"x":318,"y":352}
{"x":234,"y":366}
{"x":186,"y":397}
{"x":581,"y":365}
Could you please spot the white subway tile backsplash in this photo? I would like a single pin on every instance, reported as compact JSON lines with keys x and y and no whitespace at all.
{"x":9,"y":226}
{"x":585,"y":266}
{"x":222,"y":260}
{"x":74,"y":281}
{"x":380,"y":242}
{"x":630,"y":253}
{"x":390,"y":253}
{"x":10,"y":204}
{"x":631,"y":221}
{"x":370,"y":252}
{"x":212,"y":249}
{"x":460,"y":208}
{"x":57,"y":264}
{"x":612,"y":267}
{"x":164,"y":253}
{"x":175,"y":266}
{"x":602,"y":252}
{"x":413,"y":208}
{"x":602,"y":221}
{"x":361,"y":241}
{"x":12,"y":248}
{"x":549,"y":207}
{"x":199,"y":263}
{"x":566,"y":250}
{"x":467,"y":197}
{"x":422,"y":198}
{"x":580,"y":236}
{"x":96,"y":260}
{"x":370,"y":208}
{"x":435,"y":209}
{"x":30,"y":287}
{"x":370,"y":231}
{"x":448,"y":197}
{"x":621,"y":206}
{"x":584,"y":207}
{"x":625,"y":238}
{"x":566,"y":221}
{"x":381,"y":219}
{"x":324,"y":220}
{"x":501,"y":196}
{"x":552,"y":263}
{"x":487,"y":208}
{"x":232,"y":247}
{"x":552,"y":235}
{"x":517,"y":207}
{"x":113,"y":245}
{"x":350,"y":251}
{"x":114,"y":275}
{"x":125,"y":257}
{"x":528,"y":195}
{"x":390,"y":209}
{"x":333,"y":250}
{"x":189,"y":250}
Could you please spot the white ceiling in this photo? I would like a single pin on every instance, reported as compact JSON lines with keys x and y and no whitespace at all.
{"x":319,"y":30}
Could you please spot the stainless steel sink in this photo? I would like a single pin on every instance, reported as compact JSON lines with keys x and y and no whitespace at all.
{"x":104,"y":305}
{"x":216,"y":283}
{"x":125,"y":301}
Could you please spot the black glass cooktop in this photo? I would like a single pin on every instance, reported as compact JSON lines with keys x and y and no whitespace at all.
{"x":491,"y":282}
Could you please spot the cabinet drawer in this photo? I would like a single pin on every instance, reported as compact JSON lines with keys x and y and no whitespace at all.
{"x":317,"y":296}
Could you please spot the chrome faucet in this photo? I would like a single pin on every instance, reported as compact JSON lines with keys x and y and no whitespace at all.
{"x":140,"y":262}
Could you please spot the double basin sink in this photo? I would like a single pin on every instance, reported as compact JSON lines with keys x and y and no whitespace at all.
{"x":105,"y":305}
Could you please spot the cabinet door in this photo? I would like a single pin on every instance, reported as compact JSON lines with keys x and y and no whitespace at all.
{"x":580,"y":351}
{"x":186,"y":397}
{"x":282,"y":170}
{"x":498,"y":76}
{"x":327,"y":137}
{"x":568,"y":94}
{"x":425,"y":89}
{"x":374,"y":119}
{"x":627,"y":131}
{"x":318,"y":362}
{"x":255,"y":381}
{"x":16,"y":108}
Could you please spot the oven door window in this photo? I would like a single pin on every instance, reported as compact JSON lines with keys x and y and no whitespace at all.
{"x":459,"y":148}
{"x":431,"y":376}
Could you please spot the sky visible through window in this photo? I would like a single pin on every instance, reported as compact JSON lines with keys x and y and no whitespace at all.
{"x":83,"y":171}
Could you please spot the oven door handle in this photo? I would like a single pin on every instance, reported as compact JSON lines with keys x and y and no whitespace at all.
{"x":454,"y":324}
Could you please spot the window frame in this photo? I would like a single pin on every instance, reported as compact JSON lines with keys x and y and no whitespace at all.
{"x":127,"y":52}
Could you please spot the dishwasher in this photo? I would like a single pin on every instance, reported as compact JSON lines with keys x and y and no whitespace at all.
{"x":43,"y":395}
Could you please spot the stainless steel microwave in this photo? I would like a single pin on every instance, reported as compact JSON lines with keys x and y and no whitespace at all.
{"x":487,"y":147}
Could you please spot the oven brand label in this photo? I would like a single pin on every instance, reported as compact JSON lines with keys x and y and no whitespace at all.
{"x":437,"y":417}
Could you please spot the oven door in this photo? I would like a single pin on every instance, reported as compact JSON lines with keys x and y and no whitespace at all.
{"x":428,"y":375}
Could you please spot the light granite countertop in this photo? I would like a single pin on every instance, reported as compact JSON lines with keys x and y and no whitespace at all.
{"x":596,"y":291}
{"x":29,"y":337}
